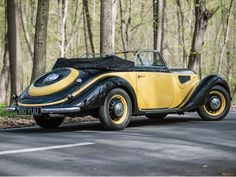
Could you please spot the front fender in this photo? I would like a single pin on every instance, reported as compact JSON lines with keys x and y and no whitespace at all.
{"x":201,"y":93}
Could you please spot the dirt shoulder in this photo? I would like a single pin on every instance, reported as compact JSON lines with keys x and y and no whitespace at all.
{"x":6,"y":122}
{"x":17,"y":122}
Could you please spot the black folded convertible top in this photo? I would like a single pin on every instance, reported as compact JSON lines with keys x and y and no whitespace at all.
{"x":107,"y":63}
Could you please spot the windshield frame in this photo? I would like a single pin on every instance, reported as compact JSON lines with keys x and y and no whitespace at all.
{"x":163,"y":66}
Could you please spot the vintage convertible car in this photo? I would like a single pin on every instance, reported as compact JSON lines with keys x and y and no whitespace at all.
{"x":114,"y":89}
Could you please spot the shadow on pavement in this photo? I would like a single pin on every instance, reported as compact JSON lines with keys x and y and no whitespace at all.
{"x":96,"y":125}
{"x":166,"y":121}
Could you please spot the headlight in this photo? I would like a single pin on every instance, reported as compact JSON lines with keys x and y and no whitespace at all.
{"x":51,"y":77}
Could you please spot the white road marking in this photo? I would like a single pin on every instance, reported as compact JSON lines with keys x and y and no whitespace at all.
{"x":44,"y":148}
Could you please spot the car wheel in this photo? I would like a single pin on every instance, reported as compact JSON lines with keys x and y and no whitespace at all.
{"x":46,"y":122}
{"x":156,"y":116}
{"x":218,"y":105}
{"x":117,"y":109}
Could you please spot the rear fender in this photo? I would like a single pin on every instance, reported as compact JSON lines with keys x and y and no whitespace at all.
{"x":96,"y":94}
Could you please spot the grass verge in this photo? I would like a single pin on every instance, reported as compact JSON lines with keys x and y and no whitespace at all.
{"x":12,"y":120}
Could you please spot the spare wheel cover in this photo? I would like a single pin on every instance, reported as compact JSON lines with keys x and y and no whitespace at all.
{"x":66,"y":76}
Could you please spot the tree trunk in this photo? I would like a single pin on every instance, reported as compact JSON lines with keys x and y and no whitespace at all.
{"x":158,"y":22}
{"x":181,"y":30}
{"x":5,"y":75}
{"x":128,"y":23}
{"x":39,"y":59}
{"x":226,"y":37}
{"x":5,"y":78}
{"x":25,"y":30}
{"x":202,"y":16}
{"x":122,"y":27}
{"x":62,"y":46}
{"x":229,"y":68}
{"x":85,"y":34}
{"x":107,"y":25}
{"x":88,"y":20}
{"x":14,"y":47}
{"x":179,"y":35}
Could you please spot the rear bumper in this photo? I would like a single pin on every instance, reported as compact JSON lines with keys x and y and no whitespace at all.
{"x":59,"y":110}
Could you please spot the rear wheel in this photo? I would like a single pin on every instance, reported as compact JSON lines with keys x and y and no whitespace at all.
{"x":156,"y":116}
{"x":218,"y":105}
{"x":117,"y":109}
{"x":46,"y":122}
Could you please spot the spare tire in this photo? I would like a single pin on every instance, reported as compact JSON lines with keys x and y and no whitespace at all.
{"x":53,"y":81}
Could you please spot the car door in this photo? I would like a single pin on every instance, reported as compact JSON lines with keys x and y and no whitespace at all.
{"x":154,"y":82}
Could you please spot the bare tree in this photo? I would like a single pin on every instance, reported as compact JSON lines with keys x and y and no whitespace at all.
{"x":158,"y":24}
{"x":39,"y":59}
{"x":226,"y":37}
{"x":5,"y":74}
{"x":63,"y":20}
{"x":107,"y":25}
{"x":181,"y":31}
{"x":202,"y":16}
{"x":25,"y":30}
{"x":123,"y":29}
{"x":14,"y":47}
{"x":88,"y":23}
{"x":85,"y":33}
{"x":229,"y":68}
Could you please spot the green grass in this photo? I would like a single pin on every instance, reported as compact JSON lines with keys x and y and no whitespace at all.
{"x":4,"y":114}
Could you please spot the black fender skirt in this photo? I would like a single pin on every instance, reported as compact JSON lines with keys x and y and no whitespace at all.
{"x":201,"y":93}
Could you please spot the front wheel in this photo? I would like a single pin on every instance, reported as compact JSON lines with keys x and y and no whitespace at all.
{"x":46,"y":122}
{"x":117,"y":109}
{"x":218,"y":105}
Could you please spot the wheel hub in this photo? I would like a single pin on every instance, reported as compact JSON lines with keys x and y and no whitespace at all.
{"x":215,"y":103}
{"x":118,"y":109}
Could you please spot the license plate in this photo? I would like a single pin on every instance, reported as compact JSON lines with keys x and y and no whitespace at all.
{"x":28,"y":111}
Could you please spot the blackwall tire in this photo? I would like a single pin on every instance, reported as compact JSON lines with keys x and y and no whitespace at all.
{"x":48,"y":123}
{"x":207,"y":112}
{"x":117,"y":109}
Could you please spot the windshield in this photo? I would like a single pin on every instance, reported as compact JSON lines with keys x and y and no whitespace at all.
{"x":149,"y":58}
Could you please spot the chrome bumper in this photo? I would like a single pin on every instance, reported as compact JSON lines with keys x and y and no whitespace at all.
{"x":10,"y":109}
{"x":50,"y":110}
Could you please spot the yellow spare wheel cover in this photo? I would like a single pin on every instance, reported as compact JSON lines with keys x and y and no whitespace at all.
{"x":55,"y":87}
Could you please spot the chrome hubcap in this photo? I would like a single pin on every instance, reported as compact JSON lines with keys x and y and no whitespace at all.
{"x":118,"y":109}
{"x":215,"y":103}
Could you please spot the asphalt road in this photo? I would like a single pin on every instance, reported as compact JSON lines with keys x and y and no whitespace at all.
{"x":178,"y":145}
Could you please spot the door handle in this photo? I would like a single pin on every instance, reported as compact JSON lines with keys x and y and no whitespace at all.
{"x":140,"y":76}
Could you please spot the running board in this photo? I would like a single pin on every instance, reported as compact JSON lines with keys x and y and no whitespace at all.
{"x":160,"y":111}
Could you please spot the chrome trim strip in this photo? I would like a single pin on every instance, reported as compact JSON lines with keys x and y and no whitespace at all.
{"x":50,"y":110}
{"x":59,"y":110}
